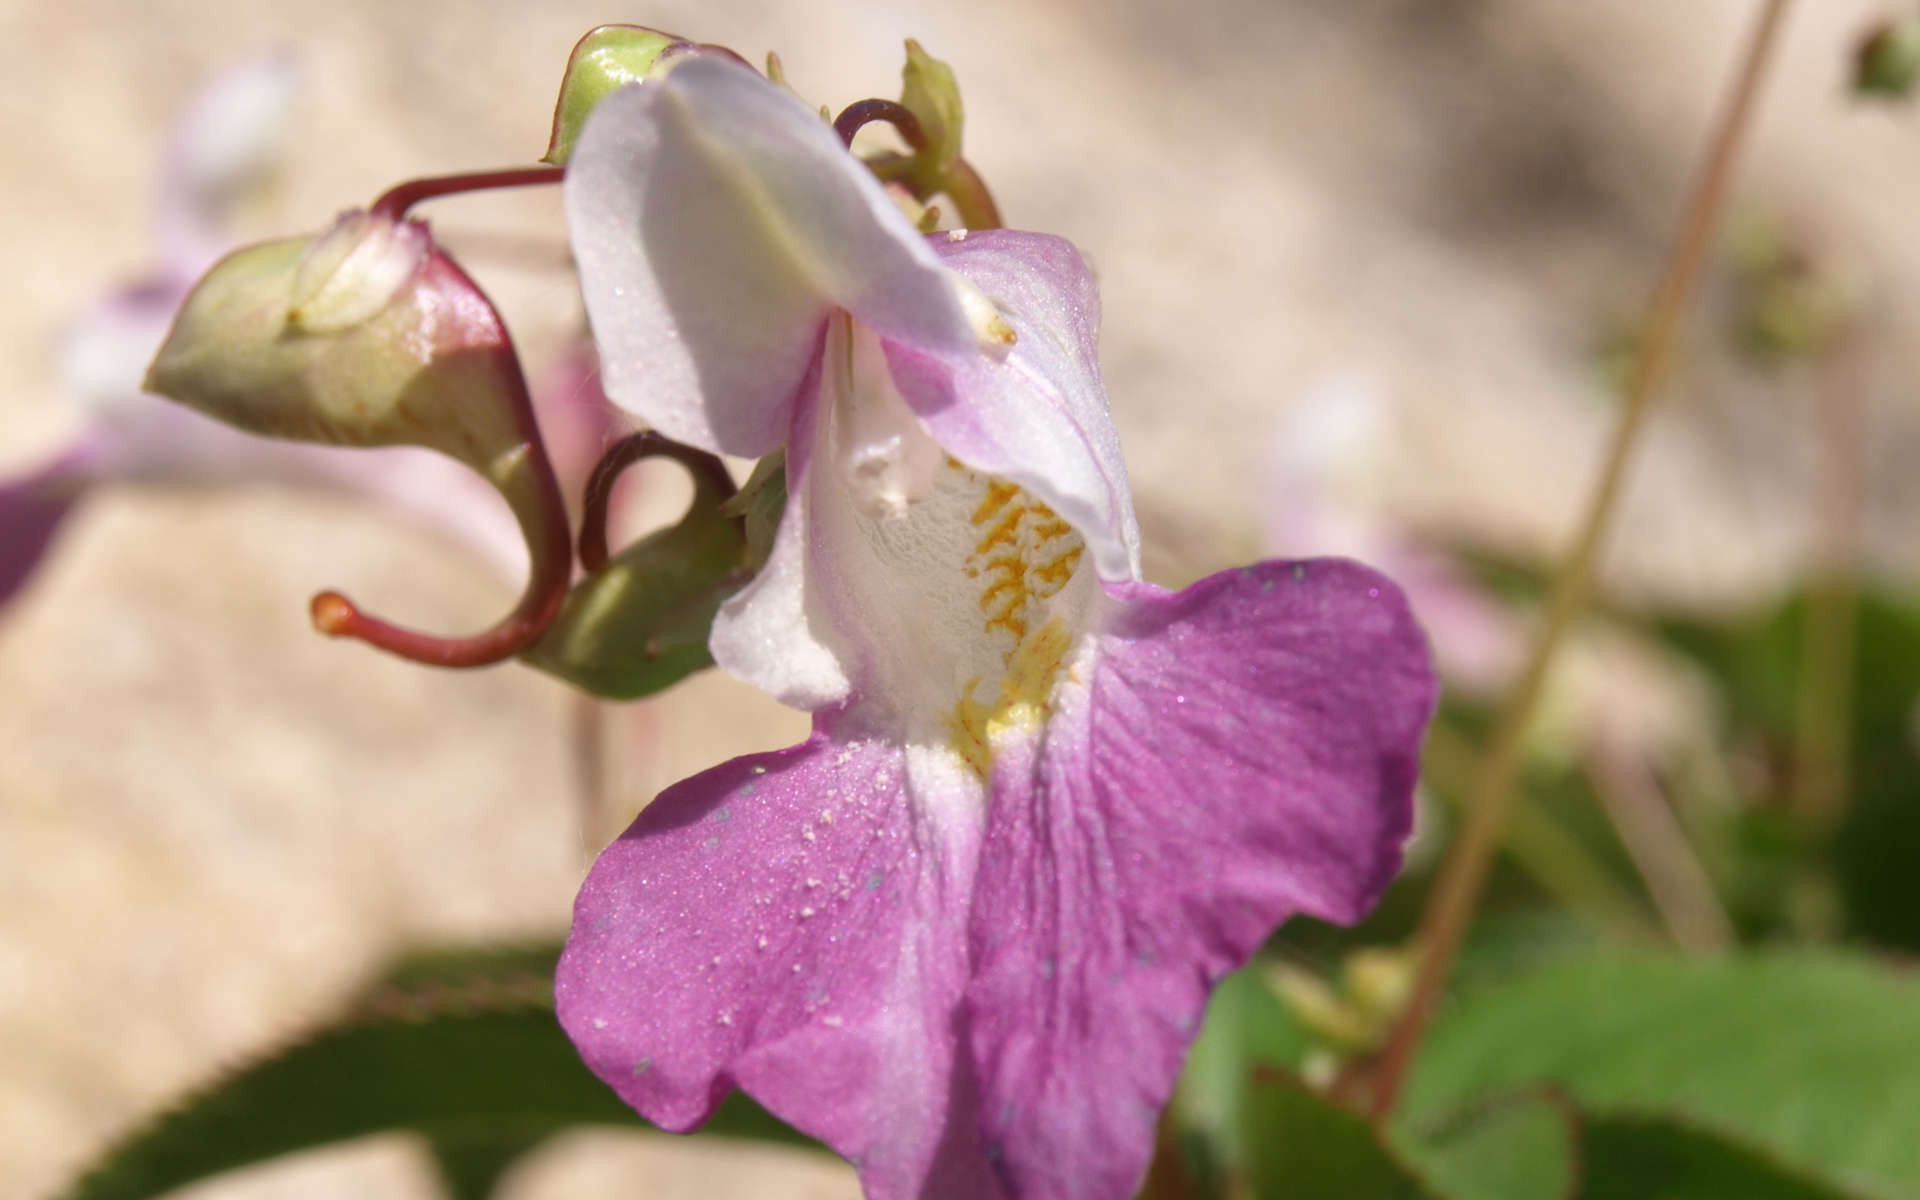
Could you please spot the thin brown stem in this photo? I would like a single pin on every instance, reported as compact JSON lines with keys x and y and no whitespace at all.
{"x":396,"y":200}
{"x":1449,"y":910}
{"x":709,"y":475}
{"x":971,"y":199}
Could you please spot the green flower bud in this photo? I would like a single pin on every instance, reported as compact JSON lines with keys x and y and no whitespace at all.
{"x":365,"y":335}
{"x":1888,"y":60}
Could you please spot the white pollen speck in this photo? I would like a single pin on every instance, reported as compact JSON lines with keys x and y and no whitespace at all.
{"x":726,"y":1018}
{"x":716,"y":960}
{"x":846,"y":756}
{"x":762,"y":943}
{"x":826,"y":816}
{"x":806,"y":912}
{"x":796,"y":968}
{"x":813,"y":883}
{"x":599,"y":1022}
{"x":806,"y":831}
{"x":956,"y":235}
{"x":759,"y":770}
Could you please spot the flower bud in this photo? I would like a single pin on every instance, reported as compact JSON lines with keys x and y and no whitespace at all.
{"x":366,"y":335}
{"x":1888,"y":60}
{"x":369,"y":335}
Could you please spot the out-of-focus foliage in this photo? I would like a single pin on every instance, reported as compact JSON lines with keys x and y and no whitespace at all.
{"x":459,"y":1047}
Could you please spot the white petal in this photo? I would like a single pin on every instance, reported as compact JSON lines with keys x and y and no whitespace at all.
{"x":717,"y":220}
{"x":1035,"y":415}
{"x":942,"y":602}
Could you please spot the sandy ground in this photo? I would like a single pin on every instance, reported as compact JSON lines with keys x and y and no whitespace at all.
{"x":212,"y":823}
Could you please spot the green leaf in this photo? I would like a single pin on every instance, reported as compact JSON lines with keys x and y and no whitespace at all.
{"x":1758,"y":662}
{"x":1303,"y":1146}
{"x":1810,"y":1057}
{"x":1520,"y":1147}
{"x":472,"y":1166}
{"x":1247,"y":1030}
{"x":1664,"y":1160}
{"x":463,"y":1049}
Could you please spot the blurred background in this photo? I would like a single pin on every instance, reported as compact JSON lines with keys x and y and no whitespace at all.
{"x":1370,"y":272}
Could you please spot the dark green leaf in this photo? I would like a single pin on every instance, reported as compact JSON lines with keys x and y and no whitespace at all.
{"x":1302,"y":1146}
{"x":1663,"y":1160}
{"x":472,"y":1165}
{"x":1520,"y":1147}
{"x":462,"y":1048}
{"x":1814,"y":1058}
{"x":1247,"y":1030}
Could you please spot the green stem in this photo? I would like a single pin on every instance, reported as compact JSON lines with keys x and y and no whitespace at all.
{"x":1824,"y":708}
{"x":1450,"y":908}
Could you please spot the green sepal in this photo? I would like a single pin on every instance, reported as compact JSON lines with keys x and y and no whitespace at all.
{"x":604,"y":61}
{"x":930,"y":93}
{"x":641,"y":624}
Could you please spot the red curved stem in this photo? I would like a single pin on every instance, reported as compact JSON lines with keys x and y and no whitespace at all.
{"x":549,"y":543}
{"x":396,"y":200}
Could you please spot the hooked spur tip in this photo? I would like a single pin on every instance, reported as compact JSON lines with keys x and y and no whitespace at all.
{"x":333,"y":614}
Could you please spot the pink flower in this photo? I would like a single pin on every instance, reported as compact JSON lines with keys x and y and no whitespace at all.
{"x":965,"y":933}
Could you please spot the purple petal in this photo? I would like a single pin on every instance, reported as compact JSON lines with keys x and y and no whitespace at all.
{"x":1243,"y":751}
{"x":792,"y":923}
{"x":32,"y":508}
{"x":1039,"y":415}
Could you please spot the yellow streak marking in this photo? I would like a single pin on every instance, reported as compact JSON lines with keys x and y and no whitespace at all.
{"x":996,"y":499}
{"x":1059,"y":570}
{"x":1025,"y":555}
{"x":1005,"y":531}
